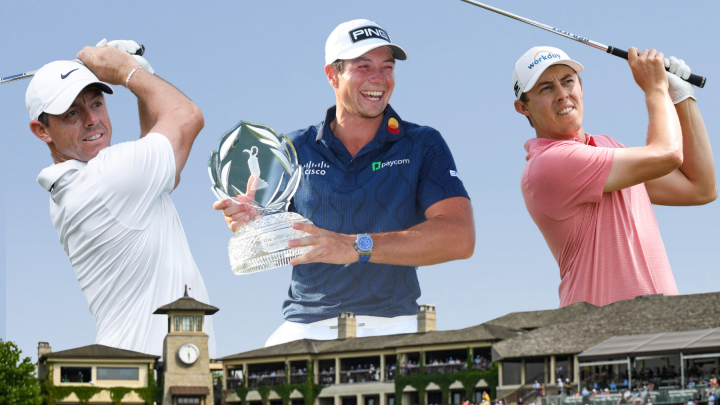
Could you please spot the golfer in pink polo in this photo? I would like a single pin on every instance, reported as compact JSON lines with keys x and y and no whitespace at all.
{"x":590,"y":195}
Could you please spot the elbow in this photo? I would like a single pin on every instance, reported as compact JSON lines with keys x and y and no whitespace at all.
{"x":708,"y":196}
{"x":196,"y":118}
{"x":465,"y":248}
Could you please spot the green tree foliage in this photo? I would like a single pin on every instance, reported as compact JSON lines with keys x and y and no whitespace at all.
{"x":19,"y":385}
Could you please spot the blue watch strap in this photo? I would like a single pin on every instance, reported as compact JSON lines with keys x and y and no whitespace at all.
{"x":364,"y":258}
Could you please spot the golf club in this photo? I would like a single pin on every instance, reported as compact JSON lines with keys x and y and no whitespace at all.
{"x":31,"y":73}
{"x":694,"y":79}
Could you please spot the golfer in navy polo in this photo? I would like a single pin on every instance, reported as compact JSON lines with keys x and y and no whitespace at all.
{"x":384,"y":196}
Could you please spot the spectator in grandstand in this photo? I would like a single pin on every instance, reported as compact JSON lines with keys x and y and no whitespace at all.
{"x":585,"y":396}
{"x":613,"y":386}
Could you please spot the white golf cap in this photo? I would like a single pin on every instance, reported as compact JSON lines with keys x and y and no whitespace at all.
{"x":56,"y":85}
{"x":358,"y":37}
{"x":534,"y":62}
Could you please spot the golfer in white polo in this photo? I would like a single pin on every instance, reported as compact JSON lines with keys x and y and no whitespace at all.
{"x":111,"y":205}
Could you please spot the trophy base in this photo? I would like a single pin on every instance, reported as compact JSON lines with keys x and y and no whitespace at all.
{"x":261,"y":243}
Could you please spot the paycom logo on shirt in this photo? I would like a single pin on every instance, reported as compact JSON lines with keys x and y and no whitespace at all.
{"x":382,"y":165}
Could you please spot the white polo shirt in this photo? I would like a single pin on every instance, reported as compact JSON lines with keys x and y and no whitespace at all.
{"x":124,"y":239}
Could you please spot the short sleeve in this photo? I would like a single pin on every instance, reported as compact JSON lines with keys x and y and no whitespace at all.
{"x":568,"y":174}
{"x":131,"y":176}
{"x":438,"y":178}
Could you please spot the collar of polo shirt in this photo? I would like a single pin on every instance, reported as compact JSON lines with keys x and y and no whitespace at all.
{"x":392,"y":125}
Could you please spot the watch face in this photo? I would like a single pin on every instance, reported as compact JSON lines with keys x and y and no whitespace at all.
{"x":365,"y":243}
{"x":188,"y":353}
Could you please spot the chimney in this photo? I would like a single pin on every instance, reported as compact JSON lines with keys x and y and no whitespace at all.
{"x":43,"y":349}
{"x":426,"y":317}
{"x":347,"y":325}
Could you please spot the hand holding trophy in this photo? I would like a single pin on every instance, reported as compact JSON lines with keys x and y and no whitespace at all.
{"x":245,"y":153}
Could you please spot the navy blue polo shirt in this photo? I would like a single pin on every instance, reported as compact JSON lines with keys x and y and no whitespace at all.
{"x":386,"y":187}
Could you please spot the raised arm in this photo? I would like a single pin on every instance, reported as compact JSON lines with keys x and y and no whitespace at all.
{"x":694,"y":182}
{"x":169,"y":111}
{"x":663,"y":152}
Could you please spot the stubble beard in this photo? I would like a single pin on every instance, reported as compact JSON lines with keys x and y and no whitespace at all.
{"x":355,"y":111}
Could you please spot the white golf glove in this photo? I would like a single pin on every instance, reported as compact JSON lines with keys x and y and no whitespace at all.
{"x":679,"y":89}
{"x":129,"y":47}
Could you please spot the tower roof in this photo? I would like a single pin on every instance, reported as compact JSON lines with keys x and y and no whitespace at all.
{"x":186,"y":303}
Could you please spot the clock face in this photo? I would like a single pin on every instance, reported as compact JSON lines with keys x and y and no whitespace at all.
{"x":188,"y":353}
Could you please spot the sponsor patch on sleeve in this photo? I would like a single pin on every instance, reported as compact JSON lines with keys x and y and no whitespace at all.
{"x":454,"y":174}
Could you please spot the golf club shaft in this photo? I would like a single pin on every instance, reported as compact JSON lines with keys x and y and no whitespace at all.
{"x":694,"y":79}
{"x":27,"y":75}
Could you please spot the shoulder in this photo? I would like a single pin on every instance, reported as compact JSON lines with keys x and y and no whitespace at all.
{"x":607,"y":142}
{"x":543,"y":149}
{"x":304,"y":135}
{"x":152,"y":142}
{"x":421,"y":132}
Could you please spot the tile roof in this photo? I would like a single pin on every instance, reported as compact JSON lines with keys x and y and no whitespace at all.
{"x":98,"y":352}
{"x":648,"y":314}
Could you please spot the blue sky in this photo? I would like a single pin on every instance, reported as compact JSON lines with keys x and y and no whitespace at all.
{"x":263,"y":62}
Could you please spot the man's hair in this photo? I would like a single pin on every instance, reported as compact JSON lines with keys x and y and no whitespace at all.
{"x":338,"y":65}
{"x":44,"y":119}
{"x":524,"y":98}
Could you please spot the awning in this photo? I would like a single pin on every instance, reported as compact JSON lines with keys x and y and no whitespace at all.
{"x":189,"y":391}
{"x":667,"y":343}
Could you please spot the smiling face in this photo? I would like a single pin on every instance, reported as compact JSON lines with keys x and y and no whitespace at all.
{"x":366,"y":83}
{"x":80,"y":132}
{"x":555,"y":104}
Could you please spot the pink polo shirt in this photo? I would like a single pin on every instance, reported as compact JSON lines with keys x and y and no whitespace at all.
{"x":607,"y":245}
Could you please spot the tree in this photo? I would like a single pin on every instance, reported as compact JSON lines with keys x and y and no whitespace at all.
{"x":19,"y":384}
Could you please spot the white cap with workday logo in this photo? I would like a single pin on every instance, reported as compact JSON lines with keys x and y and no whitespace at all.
{"x":56,"y":85}
{"x":358,"y":37}
{"x":531,"y":65}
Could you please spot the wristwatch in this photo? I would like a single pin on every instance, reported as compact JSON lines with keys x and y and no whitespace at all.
{"x":364,"y":246}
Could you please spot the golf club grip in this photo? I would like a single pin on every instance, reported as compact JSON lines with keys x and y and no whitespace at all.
{"x":694,"y":79}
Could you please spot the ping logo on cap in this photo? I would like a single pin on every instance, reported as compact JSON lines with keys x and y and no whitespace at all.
{"x":393,"y":126}
{"x":541,"y":58}
{"x":517,"y":88}
{"x":368,"y":32}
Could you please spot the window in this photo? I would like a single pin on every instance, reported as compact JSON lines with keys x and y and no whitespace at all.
{"x":511,"y":372}
{"x":177,"y":324}
{"x":534,"y":370}
{"x":75,"y":374}
{"x":187,"y":322}
{"x":118,"y":373}
{"x":199,"y":320}
{"x":188,"y":400}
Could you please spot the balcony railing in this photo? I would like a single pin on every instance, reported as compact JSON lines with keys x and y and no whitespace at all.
{"x":326,"y":378}
{"x":411,"y":370}
{"x":445,"y":368}
{"x":233,"y":383}
{"x":254,"y":382}
{"x":481,"y":366}
{"x":298,"y":378}
{"x":359,"y":376}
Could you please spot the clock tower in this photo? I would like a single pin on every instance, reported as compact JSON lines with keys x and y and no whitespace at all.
{"x":186,"y":360}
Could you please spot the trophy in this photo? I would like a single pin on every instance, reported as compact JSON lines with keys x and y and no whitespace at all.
{"x":258,"y":167}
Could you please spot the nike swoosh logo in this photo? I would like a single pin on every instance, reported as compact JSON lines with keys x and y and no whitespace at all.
{"x":63,"y":76}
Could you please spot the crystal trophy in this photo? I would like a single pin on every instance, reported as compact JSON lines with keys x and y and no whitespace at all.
{"x":254,"y":165}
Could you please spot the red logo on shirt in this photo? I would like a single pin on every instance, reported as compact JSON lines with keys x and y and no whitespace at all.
{"x":393,"y":126}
